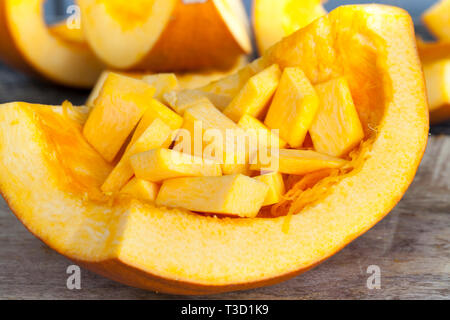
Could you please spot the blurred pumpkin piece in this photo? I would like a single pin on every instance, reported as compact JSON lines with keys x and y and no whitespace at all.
{"x":57,"y":53}
{"x":166,"y":35}
{"x":275,"y":19}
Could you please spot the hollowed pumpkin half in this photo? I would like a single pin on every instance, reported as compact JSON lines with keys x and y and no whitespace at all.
{"x":26,"y":42}
{"x":166,"y":35}
{"x":51,"y":177}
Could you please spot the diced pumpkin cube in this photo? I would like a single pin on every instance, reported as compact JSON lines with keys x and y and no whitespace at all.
{"x":255,"y":96}
{"x":162,"y":82}
{"x":118,"y":108}
{"x":97,"y":89}
{"x":437,"y":76}
{"x":220,"y":92}
{"x":155,"y":136}
{"x":141,"y":189}
{"x":101,"y":81}
{"x":294,"y":107}
{"x":235,"y":195}
{"x":161,"y":164}
{"x":298,"y":162}
{"x":437,"y":19}
{"x":258,"y":137}
{"x":276,"y":187}
{"x":265,"y":137}
{"x":199,"y":119}
{"x":235,"y":168}
{"x":238,"y":147}
{"x":230,"y":86}
{"x":337,"y":129}
{"x":213,"y":135}
{"x":180,"y":101}
{"x":157,"y":110}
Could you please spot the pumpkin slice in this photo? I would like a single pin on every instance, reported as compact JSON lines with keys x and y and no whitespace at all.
{"x":198,"y":120}
{"x":274,"y":20}
{"x":180,"y":102}
{"x":437,"y":75}
{"x":97,"y":89}
{"x":162,"y":82}
{"x":28,"y":44}
{"x":141,"y":189}
{"x":119,"y":107}
{"x":51,"y":177}
{"x":276,"y":187}
{"x":160,"y":164}
{"x":258,"y":138}
{"x":294,"y":107}
{"x":220,"y":92}
{"x":210,"y":134}
{"x":156,"y":110}
{"x":254,"y":97}
{"x":156,"y":135}
{"x":264,"y":136}
{"x":215,"y":195}
{"x":336,"y":128}
{"x":151,"y":35}
{"x":437,"y":19}
{"x":297,"y":162}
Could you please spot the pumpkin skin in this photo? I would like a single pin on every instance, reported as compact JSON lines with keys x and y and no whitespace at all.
{"x":175,"y":251}
{"x":35,"y":48}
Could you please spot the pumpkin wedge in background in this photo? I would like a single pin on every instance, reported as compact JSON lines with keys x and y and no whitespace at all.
{"x":152,"y":35}
{"x":274,"y":20}
{"x":437,"y":75}
{"x":62,"y":31}
{"x":27,"y":43}
{"x":51,"y":179}
{"x":435,"y":58}
{"x":432,"y":51}
{"x":437,"y":19}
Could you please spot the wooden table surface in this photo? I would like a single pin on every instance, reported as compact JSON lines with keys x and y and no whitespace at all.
{"x":411,"y":246}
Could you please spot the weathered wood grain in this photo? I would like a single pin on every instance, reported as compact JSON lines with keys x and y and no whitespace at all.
{"x":411,"y":246}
